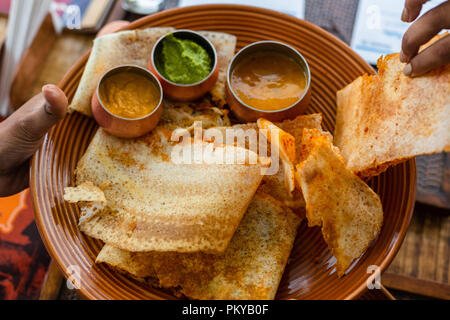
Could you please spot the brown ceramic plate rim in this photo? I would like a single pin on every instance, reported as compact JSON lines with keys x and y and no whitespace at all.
{"x":391,"y":252}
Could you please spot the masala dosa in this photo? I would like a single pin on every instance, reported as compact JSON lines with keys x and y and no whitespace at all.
{"x":349,"y":213}
{"x":154,"y":203}
{"x":134,"y":47}
{"x":387,"y":118}
{"x":250,"y":268}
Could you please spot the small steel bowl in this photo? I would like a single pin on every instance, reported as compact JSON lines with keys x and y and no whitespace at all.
{"x":186,"y":92}
{"x":247,"y":113}
{"x":126,"y":127}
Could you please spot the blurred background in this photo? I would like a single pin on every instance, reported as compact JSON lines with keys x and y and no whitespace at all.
{"x":41,"y":39}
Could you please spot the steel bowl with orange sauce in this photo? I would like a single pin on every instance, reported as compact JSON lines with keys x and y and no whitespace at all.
{"x":128,"y":101}
{"x":268,"y":79}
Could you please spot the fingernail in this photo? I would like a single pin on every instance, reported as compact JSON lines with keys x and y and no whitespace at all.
{"x":402,"y":57}
{"x":405,"y":17}
{"x":408,"y":69}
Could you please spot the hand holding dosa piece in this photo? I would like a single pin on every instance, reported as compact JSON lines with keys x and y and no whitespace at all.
{"x":387,"y":118}
{"x":348,"y":211}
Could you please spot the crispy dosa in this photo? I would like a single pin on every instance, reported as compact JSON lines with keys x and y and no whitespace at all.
{"x":387,"y":118}
{"x":283,"y":144}
{"x":178,"y":114}
{"x":246,"y":135}
{"x":155,"y":203}
{"x":348,"y":211}
{"x":134,"y":47}
{"x":250,"y":268}
{"x":275,"y":185}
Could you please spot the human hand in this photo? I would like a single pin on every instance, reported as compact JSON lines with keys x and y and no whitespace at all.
{"x":420,"y":32}
{"x":22,"y":134}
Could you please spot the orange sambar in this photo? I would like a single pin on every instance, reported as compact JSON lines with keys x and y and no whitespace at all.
{"x":129,"y":95}
{"x":268,"y":80}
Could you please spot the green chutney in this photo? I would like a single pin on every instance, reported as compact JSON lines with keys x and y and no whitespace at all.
{"x":183,"y":61}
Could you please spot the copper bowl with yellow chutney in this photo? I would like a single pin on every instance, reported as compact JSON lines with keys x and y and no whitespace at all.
{"x":268,"y":79}
{"x":128,"y":101}
{"x":185,"y":62}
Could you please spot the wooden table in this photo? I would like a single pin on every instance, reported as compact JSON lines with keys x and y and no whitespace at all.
{"x":422,"y":264}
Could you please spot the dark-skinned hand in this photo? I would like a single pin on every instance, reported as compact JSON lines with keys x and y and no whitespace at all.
{"x":22,"y":134}
{"x":419,"y":33}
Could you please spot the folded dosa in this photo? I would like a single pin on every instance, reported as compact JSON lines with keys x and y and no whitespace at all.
{"x":348,"y":211}
{"x":250,"y":268}
{"x":154,"y":203}
{"x":134,"y":47}
{"x":387,"y":118}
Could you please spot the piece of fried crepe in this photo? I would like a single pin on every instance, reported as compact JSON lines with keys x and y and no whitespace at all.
{"x":134,"y":47}
{"x":387,"y":118}
{"x":250,"y":268}
{"x":275,"y":185}
{"x":247,"y":135}
{"x":158,"y":201}
{"x":348,"y":210}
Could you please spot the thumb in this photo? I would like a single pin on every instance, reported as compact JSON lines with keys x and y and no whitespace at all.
{"x":56,"y":101}
{"x":40,"y":113}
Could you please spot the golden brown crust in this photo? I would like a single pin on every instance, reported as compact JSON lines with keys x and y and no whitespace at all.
{"x":387,"y":118}
{"x":348,"y":211}
{"x":250,"y":268}
{"x":156,"y":204}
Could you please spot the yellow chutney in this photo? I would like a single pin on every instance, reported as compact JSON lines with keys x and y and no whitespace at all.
{"x":129,"y":95}
{"x":268,"y":80}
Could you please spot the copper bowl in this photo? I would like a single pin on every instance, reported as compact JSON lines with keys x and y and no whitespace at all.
{"x":186,"y":92}
{"x":126,"y":127}
{"x":245,"y":112}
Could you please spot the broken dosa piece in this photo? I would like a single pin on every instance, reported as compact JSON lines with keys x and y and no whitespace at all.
{"x":86,"y":191}
{"x":284,"y":144}
{"x":250,"y":268}
{"x":155,"y":203}
{"x":225,"y":45}
{"x":295,"y":128}
{"x":275,"y":185}
{"x":387,"y":118}
{"x":178,"y":114}
{"x":345,"y":207}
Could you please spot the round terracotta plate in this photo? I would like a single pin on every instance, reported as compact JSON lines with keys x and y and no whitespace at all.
{"x":310,"y":273}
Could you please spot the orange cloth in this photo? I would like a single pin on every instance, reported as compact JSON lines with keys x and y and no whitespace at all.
{"x":23,"y":258}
